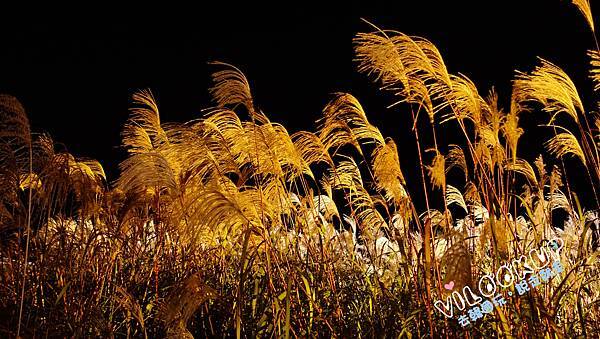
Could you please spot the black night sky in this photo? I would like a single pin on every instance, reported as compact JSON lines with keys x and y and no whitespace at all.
{"x":75,"y":74}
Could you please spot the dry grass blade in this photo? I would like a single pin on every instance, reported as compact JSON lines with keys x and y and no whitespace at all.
{"x":145,"y":171}
{"x":143,"y":131}
{"x":315,"y":234}
{"x":456,"y":158}
{"x":387,"y":173}
{"x":437,"y":170}
{"x":182,"y":302}
{"x":595,"y":68}
{"x":550,"y":86}
{"x":465,"y":101}
{"x":378,"y":55}
{"x":585,"y":9}
{"x":310,"y":148}
{"x":512,"y":132}
{"x":564,"y":144}
{"x":453,"y":196}
{"x":523,"y":167}
{"x":15,"y":125}
{"x":130,"y":305}
{"x":411,"y":67}
{"x":231,"y":87}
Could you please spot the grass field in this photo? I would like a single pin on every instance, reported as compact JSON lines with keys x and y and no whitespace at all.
{"x":229,"y":225}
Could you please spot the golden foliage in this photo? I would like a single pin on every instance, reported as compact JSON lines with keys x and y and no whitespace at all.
{"x":344,"y":122}
{"x":471,"y":194}
{"x":182,"y":302}
{"x":585,"y":9}
{"x":346,"y":175}
{"x":326,"y":206}
{"x":296,"y":224}
{"x":379,"y":56}
{"x":512,"y":132}
{"x":30,"y":181}
{"x":565,"y":143}
{"x":231,"y":88}
{"x":437,"y":170}
{"x":465,"y":101}
{"x":412,"y":67}
{"x":310,"y":148}
{"x":550,"y":86}
{"x":453,"y":196}
{"x":143,"y":131}
{"x":144,"y":171}
{"x":456,"y":158}
{"x":595,"y":68}
{"x":387,"y":173}
{"x":523,"y":167}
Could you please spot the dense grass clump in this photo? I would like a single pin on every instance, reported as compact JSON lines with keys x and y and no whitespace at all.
{"x":230,"y":226}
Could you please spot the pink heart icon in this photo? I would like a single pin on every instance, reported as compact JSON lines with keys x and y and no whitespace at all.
{"x":449,"y":285}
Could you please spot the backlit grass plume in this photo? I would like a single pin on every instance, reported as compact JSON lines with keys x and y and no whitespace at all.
{"x":232,"y":225}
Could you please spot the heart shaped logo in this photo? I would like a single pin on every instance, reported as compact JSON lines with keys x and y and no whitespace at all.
{"x":449,"y":285}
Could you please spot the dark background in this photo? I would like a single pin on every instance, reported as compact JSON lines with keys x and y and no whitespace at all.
{"x":75,"y":73}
